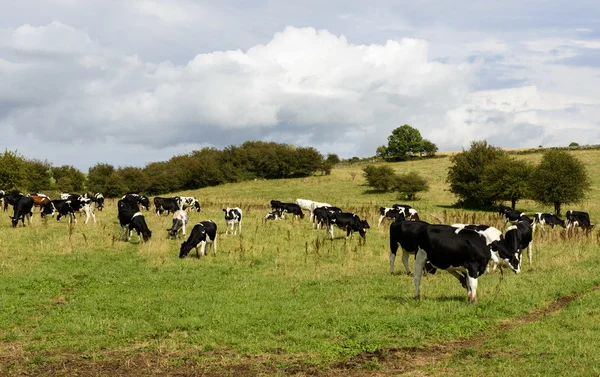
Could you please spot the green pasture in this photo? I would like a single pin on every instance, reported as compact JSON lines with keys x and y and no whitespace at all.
{"x":281,"y":292}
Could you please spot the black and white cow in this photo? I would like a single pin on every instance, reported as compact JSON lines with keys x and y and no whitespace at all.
{"x":131,"y":219}
{"x":390,"y":213}
{"x":409,"y":212}
{"x":463,"y":254}
{"x":67,"y":196}
{"x":180,"y":220}
{"x":138,"y":199}
{"x":547,"y":219}
{"x":186,"y":202}
{"x":98,"y":198}
{"x":60,"y":208}
{"x":578,"y":219}
{"x":84,"y":204}
{"x":170,"y":205}
{"x":202,"y":233}
{"x":273,"y":215}
{"x":2,"y":194}
{"x":348,"y":221}
{"x":321,"y":214}
{"x":513,"y":216}
{"x":490,"y":234}
{"x":405,"y":234}
{"x":518,"y":237}
{"x":311,"y":205}
{"x":275,"y":204}
{"x":291,"y":208}
{"x":233,"y":217}
{"x":12,"y":199}
{"x":23,"y":207}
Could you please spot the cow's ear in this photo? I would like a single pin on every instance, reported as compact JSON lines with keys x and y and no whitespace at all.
{"x":501,"y":237}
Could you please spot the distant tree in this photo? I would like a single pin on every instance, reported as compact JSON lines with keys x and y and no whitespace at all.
{"x":559,"y":179}
{"x":68,"y":178}
{"x":381,"y":151}
{"x":307,"y":162}
{"x":381,"y":178}
{"x":408,"y":185}
{"x":404,"y":140}
{"x":12,"y":171}
{"x":113,"y":186}
{"x":37,"y":176}
{"x":465,"y":175}
{"x":327,"y":167}
{"x":428,"y":148}
{"x":133,"y":179}
{"x":99,"y":177}
{"x":574,"y":144}
{"x":507,"y":178}
{"x":333,"y":158}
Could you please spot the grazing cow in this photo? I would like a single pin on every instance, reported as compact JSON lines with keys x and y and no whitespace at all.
{"x":84,"y":204}
{"x":348,"y":221}
{"x":291,"y":208}
{"x":310,"y":205}
{"x":578,"y":219}
{"x":275,"y":204}
{"x":547,"y":219}
{"x":490,"y":234}
{"x":39,"y":200}
{"x":98,"y":198}
{"x":180,"y":220}
{"x":186,"y":202}
{"x":202,"y":233}
{"x":170,"y":205}
{"x":510,"y":248}
{"x":139,"y":199}
{"x":233,"y":217}
{"x":409,"y":212}
{"x":131,"y":219}
{"x":321,"y":214}
{"x":61,"y":208}
{"x":274,"y":215}
{"x":513,"y":216}
{"x":405,"y":234}
{"x":12,"y":199}
{"x":390,"y":213}
{"x":463,"y":254}
{"x":22,"y":208}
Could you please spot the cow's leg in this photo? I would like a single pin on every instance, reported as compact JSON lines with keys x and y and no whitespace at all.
{"x":472,"y":289}
{"x":226,"y":227}
{"x":240,"y":226}
{"x":93,"y":215}
{"x":184,"y":224}
{"x":529,"y":252}
{"x":405,"y":255}
{"x":380,"y":220}
{"x":215,"y":245}
{"x":392,"y":260}
{"x":203,"y":248}
{"x":419,"y":264}
{"x":459,"y":276}
{"x":139,"y":234}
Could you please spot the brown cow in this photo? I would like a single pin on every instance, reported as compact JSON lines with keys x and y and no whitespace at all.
{"x":39,"y":200}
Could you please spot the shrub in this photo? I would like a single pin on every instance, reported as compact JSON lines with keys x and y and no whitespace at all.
{"x":380,"y":178}
{"x":408,"y":185}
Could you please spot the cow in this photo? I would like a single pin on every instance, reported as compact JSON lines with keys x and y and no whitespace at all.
{"x":405,"y":234}
{"x":291,"y":208}
{"x":321,"y":214}
{"x":39,"y":200}
{"x":513,"y":216}
{"x":186,"y":202}
{"x":12,"y":199}
{"x":67,"y":196}
{"x":273,"y":215}
{"x":233,"y":217}
{"x":61,"y":208}
{"x":98,"y":198}
{"x":348,"y":221}
{"x":131,"y":219}
{"x":180,"y":220}
{"x":578,"y":219}
{"x":547,"y":219}
{"x":202,"y":233}
{"x":390,"y":213}
{"x":490,"y":234}
{"x":2,"y":194}
{"x":84,"y":204}
{"x":170,"y":205}
{"x":518,"y":237}
{"x":22,"y":208}
{"x":409,"y":212}
{"x":310,"y":206}
{"x":139,"y":199}
{"x":275,"y":204}
{"x":463,"y":254}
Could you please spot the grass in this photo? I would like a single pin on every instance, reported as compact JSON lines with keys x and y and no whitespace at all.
{"x":280,"y":291}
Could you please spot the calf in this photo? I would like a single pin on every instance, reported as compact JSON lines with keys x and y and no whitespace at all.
{"x":131,"y":218}
{"x":180,"y":220}
{"x":170,"y":205}
{"x":274,"y":215}
{"x":98,"y":198}
{"x":186,"y":202}
{"x":321,"y":214}
{"x":463,"y":254}
{"x":390,"y":213}
{"x":510,"y":248}
{"x":578,"y":219}
{"x":139,"y":199}
{"x":291,"y":208}
{"x":233,"y":217}
{"x":22,"y":208}
{"x":203,"y":232}
{"x":547,"y":219}
{"x":348,"y":221}
{"x":61,"y":208}
{"x":409,"y":212}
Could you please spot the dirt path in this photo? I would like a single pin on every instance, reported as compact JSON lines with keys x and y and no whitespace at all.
{"x":389,"y":362}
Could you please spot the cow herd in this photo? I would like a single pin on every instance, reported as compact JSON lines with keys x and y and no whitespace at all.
{"x":466,"y":251}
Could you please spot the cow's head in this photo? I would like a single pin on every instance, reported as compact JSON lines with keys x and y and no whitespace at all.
{"x":362,"y":228}
{"x":14,"y":221}
{"x":197,"y":205}
{"x":511,"y":259}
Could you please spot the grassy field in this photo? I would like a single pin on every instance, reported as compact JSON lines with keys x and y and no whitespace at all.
{"x":281,"y":300}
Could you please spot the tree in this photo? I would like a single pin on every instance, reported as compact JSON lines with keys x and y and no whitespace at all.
{"x":507,"y":179}
{"x":428,"y":148}
{"x":99,"y":176}
{"x":68,"y":178}
{"x":559,"y":179}
{"x":12,"y":171}
{"x":381,"y":151}
{"x":465,"y":175}
{"x":573,"y":144}
{"x":403,"y":140}
{"x":37,"y":175}
{"x":333,"y":158}
{"x":408,"y":185}
{"x":380,"y":178}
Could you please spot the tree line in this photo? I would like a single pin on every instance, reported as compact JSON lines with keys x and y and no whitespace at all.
{"x":200,"y":168}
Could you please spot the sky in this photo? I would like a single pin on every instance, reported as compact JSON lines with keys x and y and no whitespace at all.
{"x":133,"y":81}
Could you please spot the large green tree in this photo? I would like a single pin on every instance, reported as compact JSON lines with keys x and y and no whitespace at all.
{"x":465,"y":175}
{"x":99,"y":177}
{"x":406,"y":140}
{"x":12,"y":171}
{"x":507,"y":178}
{"x":559,"y":179}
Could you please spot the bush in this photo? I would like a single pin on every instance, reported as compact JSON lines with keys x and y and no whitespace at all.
{"x":507,"y":178}
{"x":408,"y":185}
{"x":573,"y":144}
{"x":380,"y":178}
{"x":559,"y":179}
